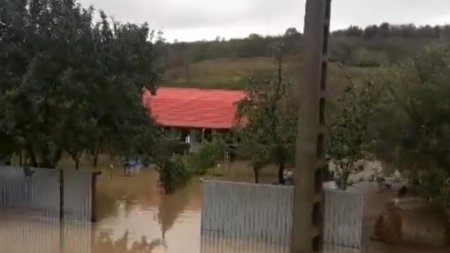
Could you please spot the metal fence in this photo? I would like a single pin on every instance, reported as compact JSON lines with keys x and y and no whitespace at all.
{"x":343,"y":218}
{"x":39,"y":192}
{"x":243,"y":211}
{"x":77,"y":195}
{"x":262,"y":215}
{"x":24,"y":234}
{"x":214,"y":244}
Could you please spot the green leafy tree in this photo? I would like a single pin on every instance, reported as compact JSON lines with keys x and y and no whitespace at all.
{"x":268,"y":108}
{"x":68,"y":86}
{"x":256,"y":152}
{"x":349,"y":137}
{"x":412,"y":127}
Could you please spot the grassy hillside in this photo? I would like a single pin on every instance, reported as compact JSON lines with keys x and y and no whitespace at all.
{"x":234,"y":72}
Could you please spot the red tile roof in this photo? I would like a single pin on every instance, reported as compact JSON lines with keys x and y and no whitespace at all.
{"x":194,"y":108}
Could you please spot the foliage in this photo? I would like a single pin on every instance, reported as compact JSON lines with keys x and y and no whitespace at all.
{"x":374,"y":45}
{"x":81,"y":82}
{"x":412,"y":127}
{"x":269,"y":110}
{"x":208,"y":156}
{"x":253,"y":150}
{"x":348,"y":128}
{"x":174,"y":173}
{"x":176,"y":167}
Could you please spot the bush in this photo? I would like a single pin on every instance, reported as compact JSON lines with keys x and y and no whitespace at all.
{"x":174,"y":173}
{"x":208,"y":156}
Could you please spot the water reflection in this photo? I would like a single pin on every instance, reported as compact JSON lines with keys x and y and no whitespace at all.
{"x":133,"y":216}
{"x":135,"y":213}
{"x":104,"y":243}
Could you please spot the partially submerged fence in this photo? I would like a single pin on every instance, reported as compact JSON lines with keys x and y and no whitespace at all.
{"x":33,"y":234}
{"x":261,"y":215}
{"x":53,"y":194}
{"x":343,"y":219}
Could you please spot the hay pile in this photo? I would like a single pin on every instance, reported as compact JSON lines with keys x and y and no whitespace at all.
{"x":413,"y":222}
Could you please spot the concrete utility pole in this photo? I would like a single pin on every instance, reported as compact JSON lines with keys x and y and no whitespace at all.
{"x":307,"y":215}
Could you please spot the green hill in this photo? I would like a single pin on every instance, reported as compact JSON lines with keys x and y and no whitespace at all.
{"x":233,"y":73}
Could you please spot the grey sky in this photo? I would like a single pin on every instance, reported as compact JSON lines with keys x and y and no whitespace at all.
{"x":188,"y":20}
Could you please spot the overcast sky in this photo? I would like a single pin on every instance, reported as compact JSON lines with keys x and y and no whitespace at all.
{"x":188,"y":20}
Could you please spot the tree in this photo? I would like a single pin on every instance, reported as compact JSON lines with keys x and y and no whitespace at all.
{"x":268,"y":108}
{"x":412,"y":127}
{"x":82,"y":83}
{"x":348,"y":128}
{"x":257,"y":152}
{"x":292,"y":40}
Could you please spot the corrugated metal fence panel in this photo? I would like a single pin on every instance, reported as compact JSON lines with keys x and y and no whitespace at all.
{"x":13,"y":188}
{"x":77,"y":195}
{"x":211,"y":243}
{"x":38,"y":193}
{"x":77,"y":236}
{"x":24,"y":234}
{"x":45,"y":197}
{"x":343,"y":219}
{"x":255,"y":213}
{"x":258,"y":214}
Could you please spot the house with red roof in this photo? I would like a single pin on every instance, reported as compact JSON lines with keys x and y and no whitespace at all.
{"x":195,"y":113}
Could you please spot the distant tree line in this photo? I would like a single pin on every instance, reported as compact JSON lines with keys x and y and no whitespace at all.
{"x":354,"y":46}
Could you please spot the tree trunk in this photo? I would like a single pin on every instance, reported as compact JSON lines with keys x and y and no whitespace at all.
{"x":77,"y":164}
{"x":256,"y":174}
{"x":76,"y":159}
{"x":31,"y":154}
{"x":344,"y":180}
{"x":95,"y":162}
{"x":56,"y":157}
{"x":21,"y":158}
{"x":46,"y":160}
{"x":280,"y":173}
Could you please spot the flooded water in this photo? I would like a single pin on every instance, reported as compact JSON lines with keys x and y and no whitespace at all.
{"x":133,"y":217}
{"x":133,"y":213}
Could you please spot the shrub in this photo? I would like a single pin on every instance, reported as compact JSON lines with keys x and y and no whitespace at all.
{"x":174,"y":173}
{"x":208,"y":156}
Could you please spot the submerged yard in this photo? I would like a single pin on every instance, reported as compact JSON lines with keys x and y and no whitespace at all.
{"x":134,"y":216}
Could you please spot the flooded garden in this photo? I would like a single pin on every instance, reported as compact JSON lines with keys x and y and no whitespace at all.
{"x":134,"y":216}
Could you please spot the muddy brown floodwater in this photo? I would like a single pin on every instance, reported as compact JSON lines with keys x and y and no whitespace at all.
{"x":135,"y":217}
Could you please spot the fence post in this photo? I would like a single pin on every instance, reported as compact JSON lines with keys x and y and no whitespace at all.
{"x":94,"y":196}
{"x":61,"y":210}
